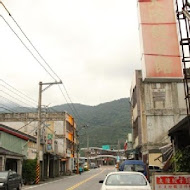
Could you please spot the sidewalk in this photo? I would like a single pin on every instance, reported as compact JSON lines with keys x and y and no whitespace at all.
{"x":49,"y":180}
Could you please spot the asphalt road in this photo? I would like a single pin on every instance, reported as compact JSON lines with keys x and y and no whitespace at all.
{"x":86,"y":181}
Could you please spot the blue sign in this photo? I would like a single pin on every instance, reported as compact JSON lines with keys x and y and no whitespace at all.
{"x":106,"y":147}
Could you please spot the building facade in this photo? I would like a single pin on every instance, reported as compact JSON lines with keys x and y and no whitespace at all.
{"x":156,"y":107}
{"x":58,"y":139}
{"x":13,"y":148}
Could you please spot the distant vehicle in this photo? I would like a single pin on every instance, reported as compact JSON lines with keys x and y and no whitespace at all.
{"x":85,"y":166}
{"x":10,"y":180}
{"x":93,"y":165}
{"x":125,"y":181}
{"x":134,"y":165}
{"x":153,"y":169}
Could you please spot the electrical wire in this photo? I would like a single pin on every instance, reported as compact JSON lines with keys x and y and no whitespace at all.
{"x":39,"y":55}
{"x":19,"y":91}
{"x":26,"y":124}
{"x":15,"y":93}
{"x":27,"y":48}
{"x":17,"y":100}
{"x":13,"y":102}
{"x":34,"y":47}
{"x":42,"y":58}
{"x":7,"y":107}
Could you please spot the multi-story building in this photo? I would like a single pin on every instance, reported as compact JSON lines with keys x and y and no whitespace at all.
{"x":58,"y":139}
{"x":156,"y":108}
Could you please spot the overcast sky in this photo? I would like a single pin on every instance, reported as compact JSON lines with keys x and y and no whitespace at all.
{"x":92,"y":45}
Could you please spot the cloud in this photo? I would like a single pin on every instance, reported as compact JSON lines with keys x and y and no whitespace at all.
{"x":92,"y":45}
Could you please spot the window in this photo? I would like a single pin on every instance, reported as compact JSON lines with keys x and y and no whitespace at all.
{"x":126,"y":180}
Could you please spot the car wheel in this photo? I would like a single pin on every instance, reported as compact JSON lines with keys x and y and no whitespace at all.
{"x":19,"y":186}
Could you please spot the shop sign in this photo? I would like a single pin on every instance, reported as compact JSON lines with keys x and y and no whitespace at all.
{"x":49,"y":145}
{"x":171,"y":181}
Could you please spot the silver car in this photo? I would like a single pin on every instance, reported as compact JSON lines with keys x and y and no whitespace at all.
{"x":125,"y":181}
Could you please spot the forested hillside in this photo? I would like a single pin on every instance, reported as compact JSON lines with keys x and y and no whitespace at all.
{"x":107,"y":122}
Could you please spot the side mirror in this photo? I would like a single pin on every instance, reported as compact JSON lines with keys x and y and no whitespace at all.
{"x":101,"y":181}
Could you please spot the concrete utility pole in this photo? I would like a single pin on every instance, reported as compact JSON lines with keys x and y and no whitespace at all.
{"x":77,"y":151}
{"x":88,"y":151}
{"x":39,"y":125}
{"x":87,"y":144}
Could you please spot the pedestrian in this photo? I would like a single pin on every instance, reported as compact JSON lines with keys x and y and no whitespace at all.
{"x":80,"y":170}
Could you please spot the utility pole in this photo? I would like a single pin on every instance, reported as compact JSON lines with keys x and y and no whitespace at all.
{"x":77,"y":151}
{"x":87,"y":144}
{"x":88,"y":151}
{"x":39,"y":125}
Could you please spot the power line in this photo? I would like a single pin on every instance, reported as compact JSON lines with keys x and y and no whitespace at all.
{"x":17,"y":105}
{"x":26,"y":125}
{"x":15,"y":93}
{"x":70,"y":106}
{"x":39,"y":55}
{"x":27,"y":47}
{"x":8,"y":108}
{"x":19,"y":91}
{"x":34,"y":46}
{"x":17,"y":99}
{"x":71,"y":102}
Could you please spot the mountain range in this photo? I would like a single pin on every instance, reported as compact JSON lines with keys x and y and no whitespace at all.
{"x":105,"y":124}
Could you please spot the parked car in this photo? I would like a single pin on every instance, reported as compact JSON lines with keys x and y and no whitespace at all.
{"x":134,"y":165}
{"x":153,"y":169}
{"x":10,"y":180}
{"x":125,"y":180}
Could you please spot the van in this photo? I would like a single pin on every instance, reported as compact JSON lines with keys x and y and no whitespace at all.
{"x":134,"y":165}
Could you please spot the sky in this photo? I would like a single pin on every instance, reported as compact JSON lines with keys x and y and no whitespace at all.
{"x":92,"y":45}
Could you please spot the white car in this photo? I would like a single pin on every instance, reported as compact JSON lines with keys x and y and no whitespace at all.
{"x":125,"y":181}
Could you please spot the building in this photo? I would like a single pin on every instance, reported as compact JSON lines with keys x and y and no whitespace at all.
{"x":58,"y":139}
{"x":156,"y":107}
{"x":13,"y":148}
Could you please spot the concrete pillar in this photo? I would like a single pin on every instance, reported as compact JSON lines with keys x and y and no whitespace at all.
{"x":3,"y":163}
{"x":48,"y":166}
{"x":54,"y":166}
{"x":58,"y":167}
{"x":19,"y":167}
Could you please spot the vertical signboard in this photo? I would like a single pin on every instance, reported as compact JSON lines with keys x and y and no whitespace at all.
{"x":158,"y":35}
{"x":50,"y":137}
{"x":179,"y":181}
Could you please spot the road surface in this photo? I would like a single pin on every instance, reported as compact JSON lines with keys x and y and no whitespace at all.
{"x":86,"y":181}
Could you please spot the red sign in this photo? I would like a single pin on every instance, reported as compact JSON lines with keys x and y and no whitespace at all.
{"x":178,"y":182}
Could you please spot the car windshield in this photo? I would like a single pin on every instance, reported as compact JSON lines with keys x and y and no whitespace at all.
{"x":134,"y":167}
{"x":3,"y":175}
{"x":126,"y":180}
